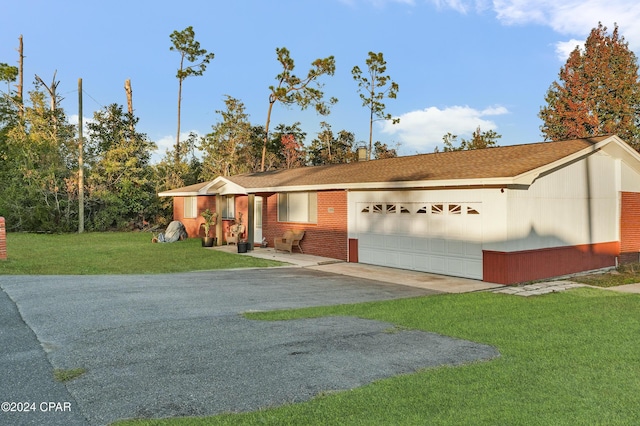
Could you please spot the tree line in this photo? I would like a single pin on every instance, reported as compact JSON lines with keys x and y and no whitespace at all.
{"x":597,"y":92}
{"x":39,"y":148}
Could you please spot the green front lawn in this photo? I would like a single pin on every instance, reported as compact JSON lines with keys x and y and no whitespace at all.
{"x":113,"y":253}
{"x":624,"y":274}
{"x":569,"y":358}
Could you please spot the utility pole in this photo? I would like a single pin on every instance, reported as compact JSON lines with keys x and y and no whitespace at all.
{"x":80,"y":163}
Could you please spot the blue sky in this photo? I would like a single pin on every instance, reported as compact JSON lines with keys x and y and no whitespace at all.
{"x":459,"y":63}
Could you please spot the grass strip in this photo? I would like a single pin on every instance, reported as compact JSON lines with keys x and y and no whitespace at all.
{"x":61,"y":375}
{"x":113,"y":253}
{"x":624,"y":274}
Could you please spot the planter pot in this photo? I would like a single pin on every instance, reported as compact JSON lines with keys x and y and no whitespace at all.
{"x":208,"y":241}
{"x":242,"y":247}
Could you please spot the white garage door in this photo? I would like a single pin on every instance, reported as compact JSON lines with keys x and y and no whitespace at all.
{"x":444,"y":238}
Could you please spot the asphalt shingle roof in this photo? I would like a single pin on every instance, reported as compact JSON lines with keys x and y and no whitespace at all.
{"x":498,"y":162}
{"x":506,"y":161}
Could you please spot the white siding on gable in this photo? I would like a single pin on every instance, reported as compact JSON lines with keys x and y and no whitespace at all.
{"x":577,"y":204}
{"x":630,"y":181}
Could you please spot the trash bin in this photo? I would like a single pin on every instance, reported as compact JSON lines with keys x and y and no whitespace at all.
{"x":242,"y":247}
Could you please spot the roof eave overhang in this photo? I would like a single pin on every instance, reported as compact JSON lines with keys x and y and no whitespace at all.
{"x":395,"y":185}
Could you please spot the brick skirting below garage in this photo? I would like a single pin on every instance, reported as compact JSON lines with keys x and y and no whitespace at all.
{"x":523,"y":266}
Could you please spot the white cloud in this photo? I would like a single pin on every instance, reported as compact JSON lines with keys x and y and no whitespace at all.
{"x":573,"y":17}
{"x":73,"y":119}
{"x":164,"y":143}
{"x":168,"y":142}
{"x":420,"y":131}
{"x":461,"y":6}
{"x":564,"y":48}
{"x":566,"y":17}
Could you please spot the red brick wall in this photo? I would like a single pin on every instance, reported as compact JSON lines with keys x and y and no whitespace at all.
{"x":629,"y":227}
{"x":529,"y":265}
{"x":327,"y":237}
{"x":3,"y":239}
{"x":193,"y":225}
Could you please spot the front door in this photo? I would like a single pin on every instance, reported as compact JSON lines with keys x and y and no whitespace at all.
{"x":257,"y":221}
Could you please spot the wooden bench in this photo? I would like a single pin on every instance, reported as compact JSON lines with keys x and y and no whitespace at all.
{"x":288,"y":241}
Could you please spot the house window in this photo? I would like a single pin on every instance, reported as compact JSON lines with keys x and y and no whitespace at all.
{"x":228,"y":207}
{"x":437,"y":209}
{"x":298,"y":207}
{"x":190,"y":207}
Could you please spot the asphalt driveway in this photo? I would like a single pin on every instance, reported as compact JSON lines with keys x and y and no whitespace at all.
{"x":176,"y":345}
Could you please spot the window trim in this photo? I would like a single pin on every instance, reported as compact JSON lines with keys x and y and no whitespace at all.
{"x":190,"y":207}
{"x":228,"y":201}
{"x":311,"y":207}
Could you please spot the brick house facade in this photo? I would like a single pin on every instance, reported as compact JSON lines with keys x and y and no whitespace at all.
{"x":506,"y":214}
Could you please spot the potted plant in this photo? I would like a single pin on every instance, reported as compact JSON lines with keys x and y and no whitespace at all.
{"x":243,"y":245}
{"x":238,"y":229}
{"x":210,"y":219}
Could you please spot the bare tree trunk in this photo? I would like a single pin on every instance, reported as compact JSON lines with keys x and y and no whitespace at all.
{"x":20,"y":78}
{"x":127,"y":89}
{"x":54,"y":100}
{"x":272,"y":100}
{"x":370,"y":134}
{"x":177,"y":151}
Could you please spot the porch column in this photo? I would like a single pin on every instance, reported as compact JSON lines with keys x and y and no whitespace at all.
{"x":219,"y":221}
{"x":250,"y":220}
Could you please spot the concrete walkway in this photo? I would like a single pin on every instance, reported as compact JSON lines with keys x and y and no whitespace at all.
{"x":629,"y":288}
{"x":434,"y":282}
{"x":439,"y":283}
{"x":537,"y":289}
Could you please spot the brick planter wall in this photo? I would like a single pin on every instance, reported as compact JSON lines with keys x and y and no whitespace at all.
{"x":3,"y":240}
